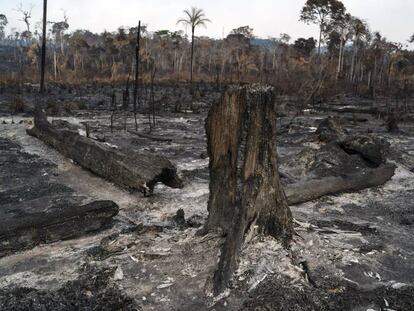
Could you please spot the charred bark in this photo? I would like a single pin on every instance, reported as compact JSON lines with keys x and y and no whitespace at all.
{"x":313,"y":189}
{"x":245,"y":190}
{"x":19,"y":232}
{"x":132,"y":170}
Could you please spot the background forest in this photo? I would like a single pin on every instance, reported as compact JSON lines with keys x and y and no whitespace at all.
{"x":346,"y":57}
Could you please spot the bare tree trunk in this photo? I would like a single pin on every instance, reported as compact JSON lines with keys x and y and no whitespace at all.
{"x":245,"y":189}
{"x":75,"y":56}
{"x":319,"y":42}
{"x":55,"y":63}
{"x":389,"y":71}
{"x":374,"y":75}
{"x":223,"y":66}
{"x":354,"y":55}
{"x":43,"y":61}
{"x":62,"y":49}
{"x":125,"y":97}
{"x":136,"y":75}
{"x":381,"y":73}
{"x":174,"y":61}
{"x":339,"y":68}
{"x":369,"y":83}
{"x":342,"y":58}
{"x":113,"y":104}
{"x":180,"y":68}
{"x":152,"y":110}
{"x":192,"y":59}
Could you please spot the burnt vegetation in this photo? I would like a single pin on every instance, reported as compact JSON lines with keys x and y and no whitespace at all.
{"x":145,"y":169}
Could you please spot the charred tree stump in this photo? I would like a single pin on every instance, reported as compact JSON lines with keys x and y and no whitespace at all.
{"x":245,"y":190}
{"x":133,"y":170}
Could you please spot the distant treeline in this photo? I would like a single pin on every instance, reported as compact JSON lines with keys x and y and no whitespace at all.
{"x":346,"y":56}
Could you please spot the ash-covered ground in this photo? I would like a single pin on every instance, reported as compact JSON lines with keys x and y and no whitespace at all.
{"x":351,"y":251}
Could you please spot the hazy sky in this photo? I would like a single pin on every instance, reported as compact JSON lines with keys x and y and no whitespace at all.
{"x":393,"y":18}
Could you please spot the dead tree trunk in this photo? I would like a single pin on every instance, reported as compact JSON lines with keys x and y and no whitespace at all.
{"x":151,"y":109}
{"x":43,"y":60}
{"x":113,"y":108}
{"x":245,"y":190}
{"x":137,"y":74}
{"x":125,"y":96}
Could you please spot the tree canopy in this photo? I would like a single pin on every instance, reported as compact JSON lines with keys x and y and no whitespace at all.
{"x":322,"y":11}
{"x":194,"y":17}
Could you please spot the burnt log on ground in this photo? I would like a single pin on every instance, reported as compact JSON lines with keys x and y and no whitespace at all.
{"x":313,"y":189}
{"x":245,"y":189}
{"x":35,"y":208}
{"x":372,"y":149}
{"x":132,"y":170}
{"x":20,"y":232}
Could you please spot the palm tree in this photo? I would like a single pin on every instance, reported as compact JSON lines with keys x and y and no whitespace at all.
{"x":194,"y":17}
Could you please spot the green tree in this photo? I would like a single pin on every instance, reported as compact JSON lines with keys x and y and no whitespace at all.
{"x":304,"y":47}
{"x":322,"y":12}
{"x":194,"y":17}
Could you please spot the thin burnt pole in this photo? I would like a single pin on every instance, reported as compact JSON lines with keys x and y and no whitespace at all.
{"x":136,"y":74}
{"x":153,"y":97}
{"x":43,"y":60}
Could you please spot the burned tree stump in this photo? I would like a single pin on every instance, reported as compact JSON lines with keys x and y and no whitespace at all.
{"x":133,"y":170}
{"x":245,"y":190}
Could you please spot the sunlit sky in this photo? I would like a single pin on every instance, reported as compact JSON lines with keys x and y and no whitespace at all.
{"x":393,"y":18}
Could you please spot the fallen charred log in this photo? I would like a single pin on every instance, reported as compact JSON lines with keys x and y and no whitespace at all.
{"x":132,"y":170}
{"x":313,"y":189}
{"x":372,"y":149}
{"x":24,"y":231}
